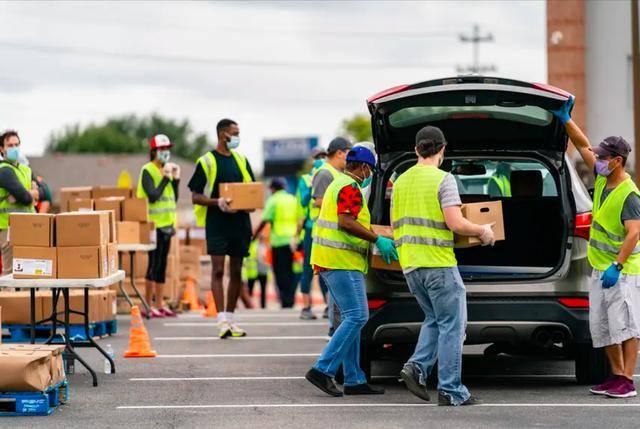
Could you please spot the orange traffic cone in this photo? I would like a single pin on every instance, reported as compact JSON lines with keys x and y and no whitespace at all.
{"x":211,"y":310}
{"x":139,"y":344}
{"x":191,"y":294}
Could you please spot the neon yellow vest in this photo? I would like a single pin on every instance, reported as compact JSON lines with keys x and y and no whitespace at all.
{"x":314,"y":212}
{"x":163,"y":211}
{"x":419,"y":229}
{"x":607,"y":230}
{"x":250,"y":264}
{"x":504,"y":185}
{"x":210,"y":168}
{"x":285,"y":221}
{"x":332,"y":247}
{"x":23,"y":173}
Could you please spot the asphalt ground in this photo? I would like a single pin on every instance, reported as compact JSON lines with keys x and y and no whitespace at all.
{"x":198,"y":381}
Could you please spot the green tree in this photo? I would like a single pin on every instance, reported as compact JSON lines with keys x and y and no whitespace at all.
{"x":129,"y":134}
{"x":358,"y":127}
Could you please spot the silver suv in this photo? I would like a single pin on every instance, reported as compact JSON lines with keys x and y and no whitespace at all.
{"x":529,"y":293}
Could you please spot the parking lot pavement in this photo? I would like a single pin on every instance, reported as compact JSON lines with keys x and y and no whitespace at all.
{"x":200,"y":381}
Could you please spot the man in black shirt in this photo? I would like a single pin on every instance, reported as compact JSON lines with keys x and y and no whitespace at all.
{"x":228,"y":232}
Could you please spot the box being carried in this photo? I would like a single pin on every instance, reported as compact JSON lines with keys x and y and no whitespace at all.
{"x":482,"y":213}
{"x":375,"y":260}
{"x":243,"y":196}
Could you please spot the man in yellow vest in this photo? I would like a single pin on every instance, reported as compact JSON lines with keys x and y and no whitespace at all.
{"x":280,"y":211}
{"x":18,"y":191}
{"x":228,"y":231}
{"x":425,"y":212}
{"x":500,"y":182}
{"x":614,"y":254}
{"x":341,"y":240}
{"x":159,"y":182}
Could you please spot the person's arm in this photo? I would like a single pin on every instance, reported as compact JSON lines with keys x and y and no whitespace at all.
{"x":256,"y":234}
{"x":581,"y":143}
{"x":267,"y":216}
{"x":153,"y":193}
{"x":349,"y":224}
{"x":630,"y":240}
{"x":321,"y":182}
{"x":175,"y":184}
{"x":350,"y":202}
{"x":10,"y":182}
{"x":196,"y":185}
{"x":458,"y":224}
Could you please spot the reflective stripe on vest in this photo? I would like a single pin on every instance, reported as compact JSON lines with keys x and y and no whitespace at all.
{"x":607,"y":230}
{"x":419,"y":228}
{"x":163,"y":211}
{"x":333,"y":248}
{"x":23,"y":174}
{"x":210,"y":168}
{"x":314,"y":211}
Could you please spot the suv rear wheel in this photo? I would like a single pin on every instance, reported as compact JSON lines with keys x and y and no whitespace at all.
{"x":592,"y":366}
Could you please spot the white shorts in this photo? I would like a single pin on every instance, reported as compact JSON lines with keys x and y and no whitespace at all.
{"x":614,"y":313}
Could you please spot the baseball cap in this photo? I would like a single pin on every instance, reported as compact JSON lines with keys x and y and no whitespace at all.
{"x":613,"y":146}
{"x":278,"y":183}
{"x":430,"y":136}
{"x":361,"y":154}
{"x":339,"y":143}
{"x":160,"y":141}
{"x":318,"y":151}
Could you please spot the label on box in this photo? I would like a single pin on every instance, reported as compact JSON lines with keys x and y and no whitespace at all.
{"x":33,"y":267}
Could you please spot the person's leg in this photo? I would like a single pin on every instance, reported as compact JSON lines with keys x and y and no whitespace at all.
{"x":245,"y":297}
{"x":262,"y":278}
{"x":163,"y":244}
{"x":282,"y":272}
{"x":630,"y":357}
{"x":307,"y":269}
{"x":235,"y":283}
{"x":290,"y":282}
{"x":353,"y":374}
{"x":149,"y":277}
{"x":217,"y":274}
{"x":616,"y":359}
{"x":250,"y":283}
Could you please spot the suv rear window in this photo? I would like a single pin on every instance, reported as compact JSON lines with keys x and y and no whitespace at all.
{"x":411,"y":116}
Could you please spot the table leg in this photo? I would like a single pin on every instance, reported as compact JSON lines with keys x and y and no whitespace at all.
{"x":87,"y":331}
{"x":121,"y":284}
{"x":55,"y":295}
{"x":135,"y":288}
{"x":67,"y":335}
{"x":32,"y":330}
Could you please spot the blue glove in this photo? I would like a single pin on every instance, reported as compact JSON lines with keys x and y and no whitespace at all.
{"x":610,"y":277}
{"x":387,"y":249}
{"x":564,"y":112}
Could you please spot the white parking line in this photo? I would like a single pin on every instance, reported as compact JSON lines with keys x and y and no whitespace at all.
{"x":241,"y":316}
{"x":209,"y":324}
{"x":249,"y":338}
{"x":373,"y":405}
{"x":268,"y":378}
{"x":251,"y":355}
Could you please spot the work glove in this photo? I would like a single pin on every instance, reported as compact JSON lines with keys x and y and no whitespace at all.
{"x":387,"y":249}
{"x":610,"y":277}
{"x":563,"y":113}
{"x":487,"y":237}
{"x":223,"y":204}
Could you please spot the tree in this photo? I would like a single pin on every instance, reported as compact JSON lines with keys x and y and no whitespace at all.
{"x":129,"y":134}
{"x":358,"y":127}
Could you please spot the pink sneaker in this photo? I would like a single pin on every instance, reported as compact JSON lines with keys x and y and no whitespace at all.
{"x":156,"y":314}
{"x":623,"y":389}
{"x":167,"y":312}
{"x":601,"y":389}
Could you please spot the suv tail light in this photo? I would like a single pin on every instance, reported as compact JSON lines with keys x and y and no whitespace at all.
{"x":574,"y":302}
{"x":389,"y":190}
{"x":375,"y":304}
{"x":583,"y":225}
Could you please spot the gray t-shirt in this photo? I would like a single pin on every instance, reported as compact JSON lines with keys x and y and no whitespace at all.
{"x":320,"y":183}
{"x":631,"y":207}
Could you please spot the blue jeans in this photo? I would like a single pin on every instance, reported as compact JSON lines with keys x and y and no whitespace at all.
{"x":442,"y":297}
{"x":307,"y":273}
{"x":348,"y":290}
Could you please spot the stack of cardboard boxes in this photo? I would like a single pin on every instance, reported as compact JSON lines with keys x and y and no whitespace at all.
{"x":30,"y":367}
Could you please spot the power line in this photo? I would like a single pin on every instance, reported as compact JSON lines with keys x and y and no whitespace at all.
{"x":475,"y":39}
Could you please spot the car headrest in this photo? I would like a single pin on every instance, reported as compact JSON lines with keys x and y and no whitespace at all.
{"x":526,"y":183}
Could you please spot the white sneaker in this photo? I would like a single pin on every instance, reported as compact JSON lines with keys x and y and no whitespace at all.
{"x":237,"y":331}
{"x":225,"y":330}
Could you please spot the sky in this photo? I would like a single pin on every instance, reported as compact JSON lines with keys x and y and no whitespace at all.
{"x":281,"y":69}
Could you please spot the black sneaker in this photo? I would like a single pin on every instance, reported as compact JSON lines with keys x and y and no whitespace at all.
{"x":325,"y":313}
{"x":411,"y":377}
{"x":363,"y":389}
{"x":323,"y":382}
{"x":332,"y":330}
{"x":444,"y":400}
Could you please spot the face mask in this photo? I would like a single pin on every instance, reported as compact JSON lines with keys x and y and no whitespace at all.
{"x":318,"y":163}
{"x":602,"y":167}
{"x":234,"y":142}
{"x":164,"y":156}
{"x":13,"y":153}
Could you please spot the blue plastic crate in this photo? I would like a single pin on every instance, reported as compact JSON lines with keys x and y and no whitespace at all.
{"x":34,"y":403}
{"x":22,"y":333}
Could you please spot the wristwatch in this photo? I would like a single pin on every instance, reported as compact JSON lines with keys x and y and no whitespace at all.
{"x":618,"y":266}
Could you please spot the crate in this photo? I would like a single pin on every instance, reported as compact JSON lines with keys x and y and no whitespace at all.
{"x":34,"y":403}
{"x":22,"y":333}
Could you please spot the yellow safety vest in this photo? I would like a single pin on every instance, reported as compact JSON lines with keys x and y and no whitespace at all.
{"x":163,"y":211}
{"x":23,"y":173}
{"x":607,"y":230}
{"x":419,"y":229}
{"x":210,"y":168}
{"x":504,"y":185}
{"x":285,"y":221}
{"x":250,"y":265}
{"x":314,"y":211}
{"x":332,"y":247}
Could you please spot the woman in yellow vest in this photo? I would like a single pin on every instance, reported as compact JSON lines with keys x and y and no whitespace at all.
{"x":614,"y":254}
{"x":158,"y":182}
{"x":341,"y":240}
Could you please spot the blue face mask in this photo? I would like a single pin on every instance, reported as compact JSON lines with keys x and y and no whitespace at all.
{"x":318,"y":163}
{"x":12,"y":154}
{"x":233,"y":142}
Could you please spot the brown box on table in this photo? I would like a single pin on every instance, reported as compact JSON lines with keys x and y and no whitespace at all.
{"x":112,"y":305}
{"x":375,"y":260}
{"x":82,"y":229}
{"x":243,"y":196}
{"x":25,"y":371}
{"x":141,"y":261}
{"x":110,"y":191}
{"x":32,"y":229}
{"x":34,"y":262}
{"x":482,"y":213}
{"x":85,"y":262}
{"x":128,"y":232}
{"x":110,"y":203}
{"x":147,"y":233}
{"x":135,"y":210}
{"x":68,"y":194}
{"x":16,"y":307}
{"x":112,"y":258}
{"x":190,"y":254}
{"x":81,"y":205}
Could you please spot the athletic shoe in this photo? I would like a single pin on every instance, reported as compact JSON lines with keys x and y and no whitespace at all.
{"x":322,"y":382}
{"x":156,"y":314}
{"x":411,"y":378}
{"x":325,"y":313}
{"x":237,"y":331}
{"x":363,"y":389}
{"x":225,"y":330}
{"x":601,"y":389}
{"x":623,"y":389}
{"x":307,"y":314}
{"x":332,"y":330}
{"x":167,"y":312}
{"x":444,"y":400}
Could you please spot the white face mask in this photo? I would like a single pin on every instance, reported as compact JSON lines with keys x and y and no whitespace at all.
{"x":234,"y":142}
{"x":164,"y":156}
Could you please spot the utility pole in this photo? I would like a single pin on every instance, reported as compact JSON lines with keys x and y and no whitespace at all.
{"x":635,"y":60}
{"x":475,"y":39}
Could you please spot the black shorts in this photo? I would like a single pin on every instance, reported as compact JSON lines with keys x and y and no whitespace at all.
{"x":237,"y":247}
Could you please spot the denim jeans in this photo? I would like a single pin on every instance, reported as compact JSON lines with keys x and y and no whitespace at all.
{"x":442,"y":297}
{"x":347,"y":289}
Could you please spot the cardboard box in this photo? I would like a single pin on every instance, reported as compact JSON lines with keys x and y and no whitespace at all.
{"x":111,"y":203}
{"x":81,"y":205}
{"x":112,"y":258}
{"x":128,"y":232}
{"x":34,"y":262}
{"x":76,"y":302}
{"x":85,"y":262}
{"x":190,"y":270}
{"x":141,"y":262}
{"x":32,"y":229}
{"x":112,"y":305}
{"x":110,"y":191}
{"x":25,"y":371}
{"x":190,"y":254}
{"x":200,"y":243}
{"x":135,"y":210}
{"x":147,"y":232}
{"x":57,"y":363}
{"x":16,"y":309}
{"x":482,"y":213}
{"x":243,"y":196}
{"x":68,"y":194}
{"x":77,"y":229}
{"x":375,"y":260}
{"x":113,"y":230}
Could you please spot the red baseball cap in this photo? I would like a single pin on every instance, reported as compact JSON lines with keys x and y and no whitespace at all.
{"x":160,"y":141}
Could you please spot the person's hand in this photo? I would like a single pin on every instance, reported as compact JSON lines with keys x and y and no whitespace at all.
{"x":294,"y":244}
{"x":35,"y":194}
{"x":610,"y":277}
{"x":223,"y":204}
{"x":12,"y":199}
{"x":167,"y":171}
{"x":487,"y":237}
{"x":175,"y":170}
{"x":387,"y":249}
{"x":564,"y":112}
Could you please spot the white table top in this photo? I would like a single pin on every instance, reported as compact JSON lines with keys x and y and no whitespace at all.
{"x":9,"y":282}
{"x":136,"y":247}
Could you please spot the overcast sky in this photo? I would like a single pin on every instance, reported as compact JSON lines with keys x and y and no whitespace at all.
{"x":278,"y":68}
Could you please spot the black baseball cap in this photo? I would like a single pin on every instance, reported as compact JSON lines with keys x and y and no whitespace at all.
{"x":339,"y":143}
{"x":430,"y":137}
{"x":613,"y":146}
